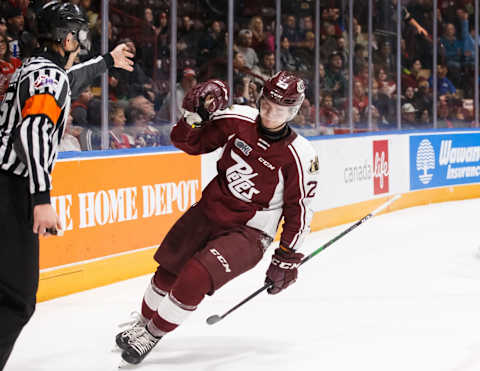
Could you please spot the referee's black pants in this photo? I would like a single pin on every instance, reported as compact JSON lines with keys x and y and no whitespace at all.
{"x":18,"y":261}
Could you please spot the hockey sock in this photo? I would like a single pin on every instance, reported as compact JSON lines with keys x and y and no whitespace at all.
{"x":190,"y":288}
{"x":158,"y":288}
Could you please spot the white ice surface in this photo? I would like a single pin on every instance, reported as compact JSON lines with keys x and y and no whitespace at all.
{"x":399,"y":293}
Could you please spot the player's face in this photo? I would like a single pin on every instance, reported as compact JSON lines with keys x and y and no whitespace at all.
{"x":273,"y":115}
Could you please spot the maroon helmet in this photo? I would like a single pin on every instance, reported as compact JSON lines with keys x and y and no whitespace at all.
{"x":285,"y":89}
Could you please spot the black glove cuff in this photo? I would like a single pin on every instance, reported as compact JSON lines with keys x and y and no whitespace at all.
{"x":204,"y":114}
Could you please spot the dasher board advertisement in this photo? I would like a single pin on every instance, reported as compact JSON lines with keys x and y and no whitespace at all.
{"x":443,"y":160}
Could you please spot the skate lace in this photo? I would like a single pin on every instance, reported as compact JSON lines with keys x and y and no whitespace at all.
{"x":144,"y":343}
{"x":137,"y":326}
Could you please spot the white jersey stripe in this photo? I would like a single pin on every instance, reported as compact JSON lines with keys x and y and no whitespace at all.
{"x":302,"y":197}
{"x":233,"y":116}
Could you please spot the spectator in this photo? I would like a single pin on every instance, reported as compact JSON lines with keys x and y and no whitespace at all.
{"x":119,"y":138}
{"x":141,"y":113}
{"x":15,"y":26}
{"x":376,"y":119}
{"x":385,"y":58}
{"x":266,"y":69}
{"x":69,"y":140}
{"x":363,"y":75}
{"x":360,"y":99}
{"x":385,"y":83}
{"x":424,"y":120}
{"x":79,"y":109}
{"x":97,"y":36}
{"x":8,"y":64}
{"x":359,"y":38}
{"x":262,"y":41}
{"x":384,"y":106}
{"x":328,"y":41}
{"x":329,"y":116}
{"x":131,"y":84}
{"x":410,"y":76}
{"x":212,"y":44}
{"x":453,"y":50}
{"x":342,"y":48}
{"x":322,"y":76}
{"x":409,"y":96}
{"x":469,"y":51}
{"x":356,"y":118}
{"x":91,"y":15}
{"x":305,"y":52}
{"x":424,"y":97}
{"x":3,"y":25}
{"x":163,"y":34}
{"x":244,"y":47}
{"x":288,"y":61}
{"x":189,"y":80}
{"x":335,"y":81}
{"x":290,"y":30}
{"x":187,"y":39}
{"x":444,"y":85}
{"x":146,"y":38}
{"x":360,"y":59}
{"x":443,"y":113}
{"x":331,"y":16}
{"x":307,"y":26}
{"x":244,"y":91}
{"x":409,"y":116}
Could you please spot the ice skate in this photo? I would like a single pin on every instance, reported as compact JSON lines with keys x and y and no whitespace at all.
{"x":139,"y":346}
{"x":136,"y":328}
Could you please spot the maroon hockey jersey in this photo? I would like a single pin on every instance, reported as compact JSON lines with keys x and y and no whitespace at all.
{"x":258,"y":180}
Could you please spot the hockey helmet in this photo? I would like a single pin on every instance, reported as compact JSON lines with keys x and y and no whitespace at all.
{"x":285,"y":89}
{"x":56,"y":20}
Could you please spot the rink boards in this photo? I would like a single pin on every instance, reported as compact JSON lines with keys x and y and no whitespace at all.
{"x":117,"y":206}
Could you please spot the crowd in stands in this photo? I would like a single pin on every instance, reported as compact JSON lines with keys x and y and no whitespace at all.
{"x":140,"y":101}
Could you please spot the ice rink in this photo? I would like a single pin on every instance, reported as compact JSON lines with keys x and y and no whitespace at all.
{"x":399,"y":293}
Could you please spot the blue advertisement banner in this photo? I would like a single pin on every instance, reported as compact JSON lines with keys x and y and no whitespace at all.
{"x":443,"y":160}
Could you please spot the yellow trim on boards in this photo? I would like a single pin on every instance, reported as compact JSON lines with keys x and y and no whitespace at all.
{"x":83,"y":276}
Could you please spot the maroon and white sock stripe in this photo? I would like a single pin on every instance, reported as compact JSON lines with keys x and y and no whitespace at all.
{"x":170,"y":313}
{"x":151,"y":299}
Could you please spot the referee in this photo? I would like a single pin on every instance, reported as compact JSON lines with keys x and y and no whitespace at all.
{"x":33,"y":115}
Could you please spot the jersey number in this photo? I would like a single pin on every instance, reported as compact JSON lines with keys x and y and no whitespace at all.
{"x":312,"y":185}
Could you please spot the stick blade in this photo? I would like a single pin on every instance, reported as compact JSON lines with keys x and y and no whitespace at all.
{"x":213,"y":319}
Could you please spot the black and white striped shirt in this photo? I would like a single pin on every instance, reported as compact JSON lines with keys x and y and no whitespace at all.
{"x":33,"y":116}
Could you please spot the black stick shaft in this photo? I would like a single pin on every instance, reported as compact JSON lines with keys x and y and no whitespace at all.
{"x":311,"y":255}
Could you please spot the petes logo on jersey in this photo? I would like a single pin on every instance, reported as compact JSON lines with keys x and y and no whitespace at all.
{"x":44,"y":80}
{"x":239,"y":178}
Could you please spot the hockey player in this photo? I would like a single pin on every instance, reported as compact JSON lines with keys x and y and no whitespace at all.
{"x":266,"y":172}
{"x":32,"y":120}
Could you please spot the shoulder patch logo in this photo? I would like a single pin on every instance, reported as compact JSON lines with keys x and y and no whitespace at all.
{"x":300,"y":86}
{"x":44,"y":80}
{"x":314,"y":166}
{"x":242,"y":146}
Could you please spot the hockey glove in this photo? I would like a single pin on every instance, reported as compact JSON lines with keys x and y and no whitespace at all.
{"x":283,"y":269}
{"x":204,"y":99}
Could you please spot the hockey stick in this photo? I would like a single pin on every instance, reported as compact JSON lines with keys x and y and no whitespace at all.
{"x":215,"y":318}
